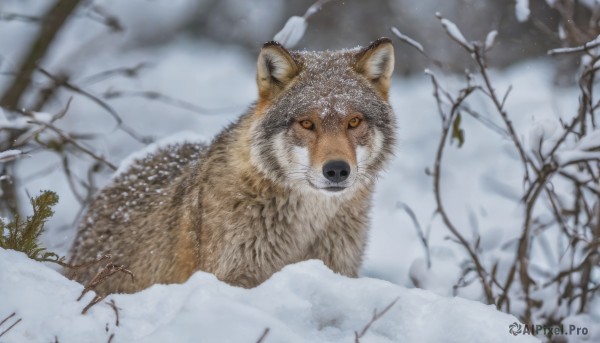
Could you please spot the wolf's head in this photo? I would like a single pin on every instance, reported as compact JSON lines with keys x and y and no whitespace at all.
{"x":323,"y":121}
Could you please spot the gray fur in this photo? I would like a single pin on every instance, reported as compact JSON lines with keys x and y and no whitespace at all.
{"x":232,"y":208}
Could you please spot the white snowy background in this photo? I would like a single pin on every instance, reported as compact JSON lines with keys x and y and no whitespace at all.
{"x":304,"y":302}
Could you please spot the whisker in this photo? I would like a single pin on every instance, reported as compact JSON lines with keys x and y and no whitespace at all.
{"x":301,"y":164}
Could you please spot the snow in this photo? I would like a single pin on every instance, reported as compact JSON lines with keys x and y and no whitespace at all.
{"x":292,"y":32}
{"x":585,"y":149}
{"x":294,"y":28}
{"x":522,"y":10}
{"x":305,"y":302}
{"x":490,"y":39}
{"x":441,"y":276}
{"x":9,"y":155}
{"x":543,"y":135}
{"x":22,"y":122}
{"x":594,"y":43}
{"x":454,"y":32}
{"x":566,"y":157}
{"x":590,"y":141}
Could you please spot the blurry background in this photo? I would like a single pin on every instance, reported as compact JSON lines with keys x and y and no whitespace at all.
{"x":343,"y":24}
{"x":340,"y":24}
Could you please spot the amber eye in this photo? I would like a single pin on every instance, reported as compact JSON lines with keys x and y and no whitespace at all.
{"x":354,"y":122}
{"x":307,"y":124}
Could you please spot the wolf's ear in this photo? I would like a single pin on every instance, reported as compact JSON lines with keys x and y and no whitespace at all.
{"x":275,"y":69}
{"x":376,"y":63}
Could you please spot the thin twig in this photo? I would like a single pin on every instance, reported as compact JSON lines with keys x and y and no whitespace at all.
{"x":102,"y":16}
{"x":97,"y":298}
{"x":68,"y":138}
{"x":103,"y":274}
{"x":166,"y":99}
{"x":583,"y":48}
{"x":420,"y":233}
{"x":4,"y":16}
{"x":25,"y":138}
{"x":415,"y":44}
{"x":479,"y":56}
{"x":99,"y":102}
{"x":130,"y":72}
{"x":113,"y":305}
{"x":10,"y":327}
{"x":448,"y":119}
{"x":73,"y":268}
{"x":54,"y":19}
{"x":376,"y":317}
{"x":7,"y":318}
{"x":263,"y":337}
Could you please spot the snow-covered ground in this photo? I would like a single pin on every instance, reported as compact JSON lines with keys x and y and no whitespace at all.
{"x":305,"y":302}
{"x":481,"y":184}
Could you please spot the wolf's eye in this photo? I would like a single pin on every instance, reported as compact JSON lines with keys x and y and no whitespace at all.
{"x":307,"y":124}
{"x":354,"y":123}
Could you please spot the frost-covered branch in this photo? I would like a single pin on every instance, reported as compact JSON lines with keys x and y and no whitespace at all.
{"x":11,"y":155}
{"x":454,"y":32}
{"x":406,"y":39}
{"x":109,"y":109}
{"x":448,"y":119}
{"x":569,"y":152}
{"x":293,"y":30}
{"x":587,"y":47}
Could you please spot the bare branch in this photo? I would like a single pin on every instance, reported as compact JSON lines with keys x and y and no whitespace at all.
{"x":20,"y":17}
{"x":169,"y":100}
{"x":454,"y":32}
{"x":263,"y":337}
{"x":376,"y":317}
{"x":66,"y":137}
{"x":420,"y":233}
{"x":582,"y":48}
{"x":130,"y":72}
{"x":406,"y":39}
{"x":103,"y":274}
{"x":100,"y":103}
{"x":7,"y":318}
{"x":102,"y":16}
{"x":55,"y":18}
{"x":94,"y":301}
{"x":10,"y":327}
{"x":113,"y":305}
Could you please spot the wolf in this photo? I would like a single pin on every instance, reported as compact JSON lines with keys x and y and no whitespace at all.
{"x":292,"y":179}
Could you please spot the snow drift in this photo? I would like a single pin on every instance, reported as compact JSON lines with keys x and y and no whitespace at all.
{"x":305,"y":302}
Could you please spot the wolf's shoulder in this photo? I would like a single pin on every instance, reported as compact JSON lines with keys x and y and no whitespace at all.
{"x":167,"y":155}
{"x":145,"y":177}
{"x":162,"y":164}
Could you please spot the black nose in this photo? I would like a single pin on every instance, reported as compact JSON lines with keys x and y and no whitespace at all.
{"x":336,"y":171}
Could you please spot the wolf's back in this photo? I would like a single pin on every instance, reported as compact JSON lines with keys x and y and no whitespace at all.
{"x":131,"y":215}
